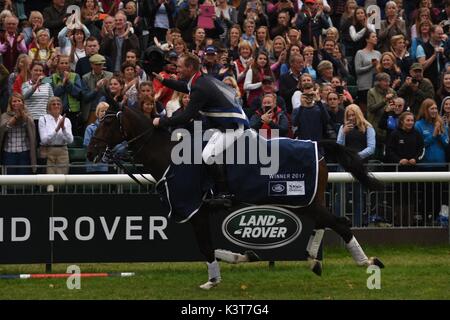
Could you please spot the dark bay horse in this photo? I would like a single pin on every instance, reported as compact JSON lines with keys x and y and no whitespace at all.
{"x":152,"y":147}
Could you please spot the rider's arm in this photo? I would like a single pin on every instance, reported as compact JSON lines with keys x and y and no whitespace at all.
{"x":180,"y":86}
{"x":189,"y":113}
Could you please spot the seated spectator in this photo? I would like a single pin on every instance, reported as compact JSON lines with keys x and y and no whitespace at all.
{"x":416,"y":89}
{"x":100,"y":112}
{"x":17,"y":137}
{"x":55,"y":131}
{"x":269,"y":117}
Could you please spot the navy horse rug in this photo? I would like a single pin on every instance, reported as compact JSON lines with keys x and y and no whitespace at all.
{"x":279,"y":171}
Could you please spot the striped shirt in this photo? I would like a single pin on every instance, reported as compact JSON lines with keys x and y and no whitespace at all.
{"x":36,"y":101}
{"x":17,"y":139}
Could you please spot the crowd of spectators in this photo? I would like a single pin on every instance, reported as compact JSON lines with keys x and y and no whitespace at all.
{"x":312,"y":69}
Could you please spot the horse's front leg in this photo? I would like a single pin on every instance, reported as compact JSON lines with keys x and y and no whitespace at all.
{"x":200,"y":223}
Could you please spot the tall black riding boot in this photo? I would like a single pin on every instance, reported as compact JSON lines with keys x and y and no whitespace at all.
{"x":222,"y":195}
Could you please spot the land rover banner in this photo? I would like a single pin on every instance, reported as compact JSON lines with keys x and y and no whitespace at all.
{"x":134,"y":228}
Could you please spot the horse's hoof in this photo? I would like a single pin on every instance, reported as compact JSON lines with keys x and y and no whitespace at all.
{"x":316,"y":267}
{"x":211,"y":283}
{"x":377,"y":262}
{"x":251,"y":256}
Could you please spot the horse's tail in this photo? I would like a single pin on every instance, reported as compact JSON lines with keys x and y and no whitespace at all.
{"x":351,"y":162}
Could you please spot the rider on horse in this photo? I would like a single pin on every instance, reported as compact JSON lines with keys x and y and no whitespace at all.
{"x":212,"y":99}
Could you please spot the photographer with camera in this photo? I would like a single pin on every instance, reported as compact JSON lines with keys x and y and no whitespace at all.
{"x":416,"y":89}
{"x":270,"y":116}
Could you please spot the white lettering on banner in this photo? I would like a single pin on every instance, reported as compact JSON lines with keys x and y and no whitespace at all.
{"x":264,"y":232}
{"x":53,"y":228}
{"x":78,"y":234}
{"x":14,"y":236}
{"x":131,"y":228}
{"x":159,"y":229}
{"x":109,"y":233}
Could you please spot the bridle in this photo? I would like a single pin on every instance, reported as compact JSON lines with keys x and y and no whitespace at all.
{"x":109,"y":156}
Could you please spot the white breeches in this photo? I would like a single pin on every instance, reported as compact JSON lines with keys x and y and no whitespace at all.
{"x":219,"y":142}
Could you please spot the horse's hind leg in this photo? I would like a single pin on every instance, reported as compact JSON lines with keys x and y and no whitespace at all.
{"x":200,"y":223}
{"x":324,"y":219}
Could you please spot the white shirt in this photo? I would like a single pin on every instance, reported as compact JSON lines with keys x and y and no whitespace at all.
{"x":49,"y":137}
{"x":296,"y":99}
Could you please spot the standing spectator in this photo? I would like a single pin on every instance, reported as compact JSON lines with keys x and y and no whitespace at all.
{"x":72,"y":43}
{"x":131,"y":79}
{"x":163,"y":93}
{"x":36,"y":22}
{"x":311,"y":118}
{"x":212,"y":66}
{"x":92,"y":83}
{"x":267,"y":87}
{"x":405,"y":147}
{"x":416,"y":89}
{"x":187,"y":20}
{"x":20,"y":75}
{"x":358,"y":135}
{"x":424,"y":35}
{"x":390,"y":119}
{"x":388,"y":65}
{"x":67,"y":86}
{"x":160,"y":15}
{"x":366,"y":61}
{"x":435,"y":135}
{"x":100,"y":112}
{"x":84,"y":65}
{"x":378,"y":99}
{"x":42,"y":49}
{"x":444,"y":90}
{"x":431,"y":56}
{"x":308,"y":55}
{"x":255,"y":75}
{"x":117,"y":43}
{"x":37,"y":94}
{"x":344,"y":26}
{"x":12,"y":44}
{"x":269,"y":117}
{"x":56,"y":133}
{"x":227,"y":16}
{"x":132,"y":56}
{"x":17,"y":137}
{"x":401,"y":54}
{"x":335,"y":110}
{"x":55,"y":17}
{"x":390,"y":27}
{"x":243,"y":63}
{"x":289,"y":81}
{"x":311,"y":20}
{"x":198,"y":44}
{"x":263,"y":41}
{"x":233,"y":41}
{"x":358,"y":31}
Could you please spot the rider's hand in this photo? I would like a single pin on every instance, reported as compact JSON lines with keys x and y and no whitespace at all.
{"x":156,"y":122}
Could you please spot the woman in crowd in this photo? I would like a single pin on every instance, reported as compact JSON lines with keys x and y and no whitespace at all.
{"x":444,"y":90}
{"x":41,"y":49}
{"x":243,"y":63}
{"x":35,"y":22}
{"x":233,"y":41}
{"x":401,"y":54}
{"x":263,"y":41}
{"x":366,"y":61}
{"x":292,"y":49}
{"x":147,"y":107}
{"x":308,"y":55}
{"x":423,"y":37}
{"x":358,"y":135}
{"x":390,"y":27}
{"x":17,"y":137}
{"x":20,"y":75}
{"x":131,"y":79}
{"x":231,"y":82}
{"x":359,"y":29}
{"x":100,"y":112}
{"x":344,"y":27}
{"x":72,"y":43}
{"x":37,"y":94}
{"x":198,"y":44}
{"x":277,"y":55}
{"x":423,"y":15}
{"x":253,"y":79}
{"x":339,"y":87}
{"x":113,"y":92}
{"x":389,"y":66}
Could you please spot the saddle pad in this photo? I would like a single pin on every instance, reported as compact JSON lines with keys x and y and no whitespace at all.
{"x":293,"y":185}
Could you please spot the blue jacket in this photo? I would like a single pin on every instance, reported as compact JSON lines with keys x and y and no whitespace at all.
{"x":434,"y":146}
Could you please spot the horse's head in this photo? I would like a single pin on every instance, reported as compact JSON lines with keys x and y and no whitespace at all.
{"x":107,"y":136}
